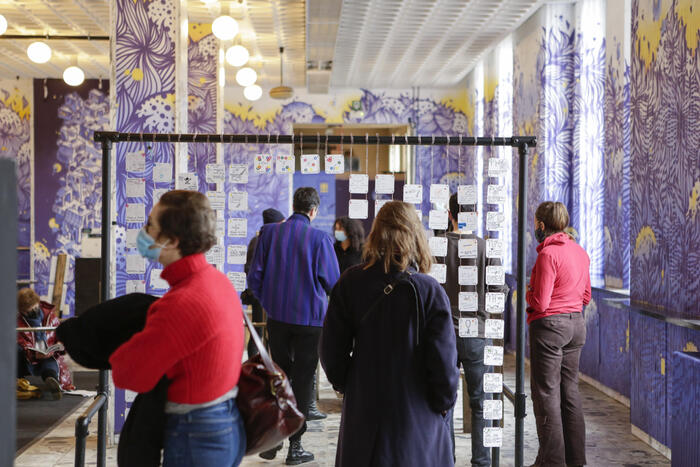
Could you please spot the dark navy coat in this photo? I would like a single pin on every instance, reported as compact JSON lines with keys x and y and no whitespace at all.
{"x":397,"y":369}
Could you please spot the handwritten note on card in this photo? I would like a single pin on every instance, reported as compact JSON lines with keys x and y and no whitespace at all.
{"x":136,"y":161}
{"x":496,"y":194}
{"x":495,"y":220}
{"x":135,"y":188}
{"x":467,"y":248}
{"x":334,"y":163}
{"x":493,"y":355}
{"x":135,"y":264}
{"x":216,"y":173}
{"x":493,"y":329}
{"x":468,"y":301}
{"x":359,"y":183}
{"x":131,"y":236}
{"x":413,"y":194}
{"x":358,"y":209}
{"x":495,"y":275}
{"x":438,"y":246}
{"x":384,"y":184}
{"x":493,"y":382}
{"x":493,"y":409}
{"x":468,"y":275}
{"x":439,"y":272}
{"x":438,"y":219}
{"x":238,"y":173}
{"x":466,"y":194}
{"x":439,"y":194}
{"x":468,"y":327}
{"x":135,"y":213}
{"x":162,"y":172}
{"x":237,"y":279}
{"x":215,"y":255}
{"x":238,"y":201}
{"x":493,"y":437}
{"x":236,"y":254}
{"x":497,"y":167}
{"x":494,"y":248}
{"x":217,"y":200}
{"x":495,"y":302}
{"x":467,"y":221}
{"x":135,"y":286}
{"x":237,"y":227}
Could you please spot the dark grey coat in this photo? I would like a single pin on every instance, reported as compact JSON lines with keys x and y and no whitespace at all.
{"x":396,"y":390}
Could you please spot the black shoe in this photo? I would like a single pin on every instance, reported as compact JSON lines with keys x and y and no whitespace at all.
{"x":314,"y":413}
{"x":54,"y":387}
{"x":270,"y":453}
{"x":297,"y":455}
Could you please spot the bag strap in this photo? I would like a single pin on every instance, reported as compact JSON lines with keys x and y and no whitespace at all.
{"x":267,"y":361}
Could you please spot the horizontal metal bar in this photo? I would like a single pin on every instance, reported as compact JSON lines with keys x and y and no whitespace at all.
{"x":446,"y":140}
{"x":40,"y":328}
{"x":49,"y":37}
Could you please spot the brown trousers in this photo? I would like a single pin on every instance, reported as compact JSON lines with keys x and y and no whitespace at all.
{"x":555,"y":348}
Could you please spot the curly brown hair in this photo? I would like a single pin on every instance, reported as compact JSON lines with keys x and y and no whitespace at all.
{"x":188,"y":216}
{"x":398,"y":239}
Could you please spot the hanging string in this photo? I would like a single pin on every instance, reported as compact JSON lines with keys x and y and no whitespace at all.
{"x":367,"y":166}
{"x":352,"y":144}
{"x":318,"y":146}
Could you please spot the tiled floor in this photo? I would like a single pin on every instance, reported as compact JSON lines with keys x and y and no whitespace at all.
{"x":609,"y":441}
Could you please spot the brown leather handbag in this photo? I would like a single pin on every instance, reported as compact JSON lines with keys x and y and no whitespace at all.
{"x":265,"y":400}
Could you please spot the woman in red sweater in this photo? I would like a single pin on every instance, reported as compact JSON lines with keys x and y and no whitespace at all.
{"x":560,"y":286}
{"x":193,"y":335}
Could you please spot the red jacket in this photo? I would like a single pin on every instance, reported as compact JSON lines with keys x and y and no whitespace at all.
{"x":27,"y":339}
{"x":193,"y":335}
{"x":560,"y":280}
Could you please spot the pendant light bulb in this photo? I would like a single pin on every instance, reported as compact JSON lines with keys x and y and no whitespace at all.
{"x":246,"y":77}
{"x":252,"y":92}
{"x":237,"y":55}
{"x":39,"y":52}
{"x":73,"y":76}
{"x":3,"y":25}
{"x":225,"y":28}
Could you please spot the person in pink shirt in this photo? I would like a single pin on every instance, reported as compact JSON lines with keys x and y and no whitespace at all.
{"x":560,"y":286}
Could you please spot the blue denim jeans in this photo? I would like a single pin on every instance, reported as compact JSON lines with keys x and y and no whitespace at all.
{"x":470,"y":354}
{"x":212,"y":436}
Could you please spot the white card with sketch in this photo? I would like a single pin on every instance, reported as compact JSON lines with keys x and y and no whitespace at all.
{"x":334,"y":164}
{"x":493,"y":409}
{"x":135,"y":213}
{"x":494,"y":248}
{"x":215,"y":255}
{"x":263,"y":163}
{"x":188,"y":181}
{"x":238,"y":201}
{"x":284,"y":164}
{"x":439,"y":194}
{"x":413,"y":194}
{"x":468,"y":275}
{"x":238,"y":173}
{"x":495,"y":220}
{"x":358,"y":209}
{"x":135,"y":264}
{"x":384,"y":184}
{"x":497,"y":167}
{"x":467,"y":221}
{"x":467,"y":248}
{"x":493,"y":355}
{"x":359,"y":183}
{"x":310,"y":164}
{"x":236,"y":254}
{"x":162,"y":172}
{"x":468,"y":301}
{"x":438,"y":219}
{"x":136,"y":161}
{"x":493,"y":437}
{"x":495,"y":275}
{"x":496,"y":194}
{"x":439,"y":272}
{"x":438,"y":246}
{"x":217,"y":200}
{"x":494,"y":329}
{"x":466,"y":194}
{"x":238,"y":227}
{"x":131,"y":237}
{"x":135,"y":286}
{"x":495,"y":302}
{"x":237,"y":279}
{"x":216,"y":173}
{"x":468,"y":327}
{"x":135,"y":188}
{"x":493,"y":382}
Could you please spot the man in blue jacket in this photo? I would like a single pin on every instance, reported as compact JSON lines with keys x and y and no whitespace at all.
{"x":293,"y":271}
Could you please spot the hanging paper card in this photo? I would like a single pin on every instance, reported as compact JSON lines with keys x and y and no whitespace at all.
{"x":357,"y":209}
{"x":217,"y":200}
{"x":494,"y":248}
{"x":493,"y":382}
{"x":467,"y":221}
{"x":466,"y":194}
{"x":495,"y":302}
{"x":188,"y":181}
{"x":439,"y":194}
{"x":131,"y":236}
{"x":220,"y":227}
{"x":496,"y":194}
{"x":419,"y":213}
{"x":495,"y":275}
{"x":493,"y":409}
{"x":215,"y":255}
{"x":468,"y":327}
{"x":413,"y":194}
{"x":468,"y":301}
{"x":493,"y":437}
{"x":156,"y":281}
{"x":335,"y":164}
{"x":238,"y":173}
{"x":237,"y":227}
{"x":493,"y":329}
{"x":384,"y":184}
{"x":263,"y":163}
{"x":378,"y":203}
{"x":493,"y":355}
{"x":438,"y":219}
{"x":285,"y":164}
{"x":438,"y":246}
{"x":495,"y":220}
{"x":238,"y":201}
{"x":162,"y":172}
{"x":468,"y":275}
{"x":237,"y":279}
{"x":136,"y":161}
{"x":467,"y":248}
{"x":236,"y":254}
{"x":497,"y":167}
{"x":216,"y":173}
{"x":439,"y":272}
{"x":135,"y":264}
{"x":158,"y":193}
{"x":135,"y":286}
{"x":359,"y":183}
{"x":135,"y":187}
{"x":135,"y":213}
{"x":310,"y":164}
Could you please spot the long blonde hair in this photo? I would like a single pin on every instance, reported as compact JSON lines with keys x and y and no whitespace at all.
{"x":397,"y":238}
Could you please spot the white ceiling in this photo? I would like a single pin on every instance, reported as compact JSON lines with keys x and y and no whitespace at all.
{"x":368,"y":43}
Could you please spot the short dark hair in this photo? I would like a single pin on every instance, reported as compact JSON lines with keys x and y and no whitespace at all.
{"x":305,"y":199}
{"x":188,"y":216}
{"x":354,"y":230}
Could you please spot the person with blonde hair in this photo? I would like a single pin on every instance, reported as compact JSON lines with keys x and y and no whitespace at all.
{"x":560,"y":286}
{"x":388,"y":345}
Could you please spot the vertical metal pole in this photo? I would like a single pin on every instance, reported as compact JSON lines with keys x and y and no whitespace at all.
{"x":520,"y":313}
{"x":103,"y":387}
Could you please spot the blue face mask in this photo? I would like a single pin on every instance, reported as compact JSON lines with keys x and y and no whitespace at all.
{"x":340,"y":236}
{"x":144,"y":242}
